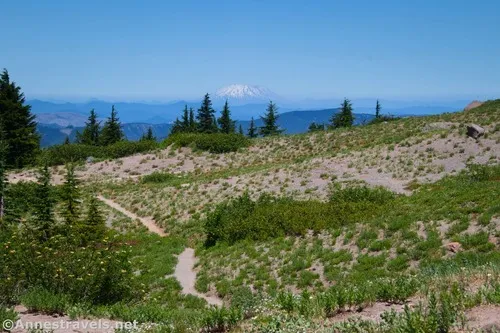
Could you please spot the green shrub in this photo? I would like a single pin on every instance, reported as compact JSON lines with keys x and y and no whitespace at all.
{"x":377,"y":195}
{"x":61,"y":154}
{"x":157,"y":177}
{"x":470,"y":241}
{"x":287,"y":301}
{"x":221,"y":319}
{"x":7,"y":314}
{"x":214,"y":143}
{"x":20,"y":198}
{"x":96,"y":274}
{"x":244,"y":299}
{"x":44,"y":301}
{"x":479,"y":173}
{"x":396,"y":290}
{"x":270,"y":217}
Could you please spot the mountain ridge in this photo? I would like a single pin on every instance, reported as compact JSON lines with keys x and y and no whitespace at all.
{"x":293,"y":122}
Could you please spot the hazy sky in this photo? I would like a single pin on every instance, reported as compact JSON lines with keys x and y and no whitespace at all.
{"x":182,"y":49}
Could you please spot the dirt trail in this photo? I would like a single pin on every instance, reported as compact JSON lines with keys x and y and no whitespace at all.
{"x":147,"y":222}
{"x":185,"y":274}
{"x":184,"y":271}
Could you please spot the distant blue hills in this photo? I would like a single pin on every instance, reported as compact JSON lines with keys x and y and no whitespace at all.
{"x":56,"y":121}
{"x":291,"y":122}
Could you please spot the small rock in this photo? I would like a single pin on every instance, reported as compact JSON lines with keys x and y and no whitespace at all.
{"x":453,"y":247}
{"x":90,"y":160}
{"x":475,"y":131}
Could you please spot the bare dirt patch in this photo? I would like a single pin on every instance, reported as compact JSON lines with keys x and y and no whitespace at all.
{"x":485,"y":318}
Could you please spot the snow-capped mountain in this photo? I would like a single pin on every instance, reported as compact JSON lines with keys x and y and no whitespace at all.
{"x":243,"y":93}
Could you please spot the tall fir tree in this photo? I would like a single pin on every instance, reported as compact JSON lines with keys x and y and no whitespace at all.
{"x":93,"y":227}
{"x":240,"y":130}
{"x":3,"y":178}
{"x":18,"y":124}
{"x":67,"y":141}
{"x":149,"y":136}
{"x":192,"y":121}
{"x":252,"y":130}
{"x":226,"y":124}
{"x":111,"y":131}
{"x":344,"y":118}
{"x":92,"y":130}
{"x":206,"y":116}
{"x":185,"y":119}
{"x":44,"y":204}
{"x":378,"y":108}
{"x":71,"y":197}
{"x":270,"y":120}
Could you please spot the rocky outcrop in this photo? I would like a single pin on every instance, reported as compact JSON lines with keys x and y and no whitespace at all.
{"x":475,"y":131}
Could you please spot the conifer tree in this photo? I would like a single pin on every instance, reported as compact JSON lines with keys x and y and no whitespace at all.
{"x":240,"y":130}
{"x":252,"y":130}
{"x":192,"y":121}
{"x":91,"y":132}
{"x":70,"y":195}
{"x":206,"y":116}
{"x":44,"y":204}
{"x":149,"y":136}
{"x":270,"y":121}
{"x":378,"y":108}
{"x":316,"y":127}
{"x":214,"y":125}
{"x":93,"y":227}
{"x":185,"y":119}
{"x":3,"y":177}
{"x":177,"y":127}
{"x":227,"y":125}
{"x":344,"y":118}
{"x":111,"y":131}
{"x":18,"y":123}
{"x":67,"y":141}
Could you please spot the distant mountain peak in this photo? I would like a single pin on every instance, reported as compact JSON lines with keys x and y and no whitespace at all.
{"x":244,"y":92}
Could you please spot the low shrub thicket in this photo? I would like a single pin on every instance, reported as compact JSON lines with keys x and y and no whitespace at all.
{"x":53,"y":260}
{"x":214,"y":142}
{"x":99,"y":273}
{"x":157,"y":177}
{"x":61,"y":154}
{"x":270,"y":217}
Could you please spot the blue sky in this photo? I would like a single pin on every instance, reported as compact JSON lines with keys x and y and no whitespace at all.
{"x":144,"y":50}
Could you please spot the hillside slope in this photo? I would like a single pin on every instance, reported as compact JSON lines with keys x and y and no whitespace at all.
{"x":376,"y":228}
